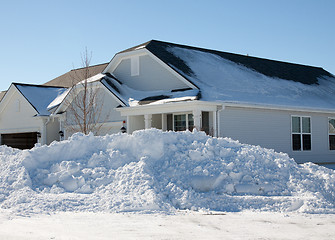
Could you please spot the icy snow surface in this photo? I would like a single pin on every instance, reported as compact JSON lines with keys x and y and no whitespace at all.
{"x":58,"y":100}
{"x":222,"y":80}
{"x":152,"y":170}
{"x":40,"y":97}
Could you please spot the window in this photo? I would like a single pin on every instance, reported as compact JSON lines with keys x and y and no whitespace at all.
{"x":181,"y":122}
{"x":301,"y":133}
{"x":331,"y":133}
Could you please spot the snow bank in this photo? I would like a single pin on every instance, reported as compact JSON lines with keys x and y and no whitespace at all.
{"x":152,"y":170}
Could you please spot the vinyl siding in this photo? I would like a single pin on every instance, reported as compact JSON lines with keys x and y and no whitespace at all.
{"x":272,"y":129}
{"x":13,"y":120}
{"x":152,"y":75}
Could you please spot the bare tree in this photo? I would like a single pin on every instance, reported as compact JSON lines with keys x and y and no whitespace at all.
{"x":85,"y":101}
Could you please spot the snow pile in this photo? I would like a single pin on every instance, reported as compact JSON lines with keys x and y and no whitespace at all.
{"x":153,"y":170}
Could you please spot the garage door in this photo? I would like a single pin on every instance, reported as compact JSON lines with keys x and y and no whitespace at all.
{"x":19,"y":140}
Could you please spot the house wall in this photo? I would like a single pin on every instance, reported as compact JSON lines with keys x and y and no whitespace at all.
{"x":152,"y":75}
{"x":135,"y":123}
{"x":53,"y":130}
{"x":18,"y":115}
{"x":105,"y":104}
{"x":156,"y":121}
{"x":272,"y":129}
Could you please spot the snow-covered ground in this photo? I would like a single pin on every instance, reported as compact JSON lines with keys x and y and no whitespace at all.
{"x":155,"y":184}
{"x":191,"y":225}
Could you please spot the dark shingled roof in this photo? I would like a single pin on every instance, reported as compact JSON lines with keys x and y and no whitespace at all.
{"x":74,"y":76}
{"x":284,"y":70}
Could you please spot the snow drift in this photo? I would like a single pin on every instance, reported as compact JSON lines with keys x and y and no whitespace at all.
{"x":152,"y":170}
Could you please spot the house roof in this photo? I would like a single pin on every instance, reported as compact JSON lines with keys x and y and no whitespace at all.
{"x":271,"y":68}
{"x":228,"y":77}
{"x":39,"y":96}
{"x":2,"y":94}
{"x":76,"y":75}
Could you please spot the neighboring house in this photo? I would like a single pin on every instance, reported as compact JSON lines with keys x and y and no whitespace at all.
{"x":74,"y":76}
{"x":2,"y":93}
{"x":284,"y":106}
{"x":24,"y":119}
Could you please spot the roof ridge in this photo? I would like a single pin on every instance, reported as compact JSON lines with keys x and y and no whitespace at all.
{"x":238,"y":54}
{"x":137,"y":46}
{"x":88,"y":66}
{"x":36,"y":85}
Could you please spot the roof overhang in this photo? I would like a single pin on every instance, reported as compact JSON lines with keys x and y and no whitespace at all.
{"x":278,"y":108}
{"x":185,"y":106}
{"x":171,"y":107}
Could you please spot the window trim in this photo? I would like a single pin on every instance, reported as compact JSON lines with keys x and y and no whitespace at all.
{"x":181,"y":113}
{"x":301,"y":133}
{"x":330,"y":134}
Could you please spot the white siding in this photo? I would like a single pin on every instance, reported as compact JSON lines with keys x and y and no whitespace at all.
{"x":14,"y":120}
{"x":272,"y":129}
{"x":110,"y":119}
{"x":53,"y":131}
{"x":135,"y":123}
{"x":151,"y":75}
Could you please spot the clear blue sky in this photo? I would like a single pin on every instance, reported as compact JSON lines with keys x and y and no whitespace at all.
{"x":40,"y":40}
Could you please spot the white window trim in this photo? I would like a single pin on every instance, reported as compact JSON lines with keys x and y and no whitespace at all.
{"x":333,"y":134}
{"x":181,"y":113}
{"x":301,"y":133}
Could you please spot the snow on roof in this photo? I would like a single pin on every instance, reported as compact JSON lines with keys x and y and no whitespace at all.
{"x":58,"y":100}
{"x":93,"y":78}
{"x":40,"y":97}
{"x":226,"y":81}
{"x":133,"y":97}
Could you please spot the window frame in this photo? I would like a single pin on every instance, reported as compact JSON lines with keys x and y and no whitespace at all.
{"x":301,"y":133}
{"x":187,"y":120}
{"x":329,"y":133}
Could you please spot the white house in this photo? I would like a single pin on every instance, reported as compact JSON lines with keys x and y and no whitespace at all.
{"x":284,"y":106}
{"x":24,"y":119}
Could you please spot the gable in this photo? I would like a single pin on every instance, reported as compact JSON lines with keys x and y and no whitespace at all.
{"x":16,"y":111}
{"x":143,"y":71}
{"x":104,"y":94}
